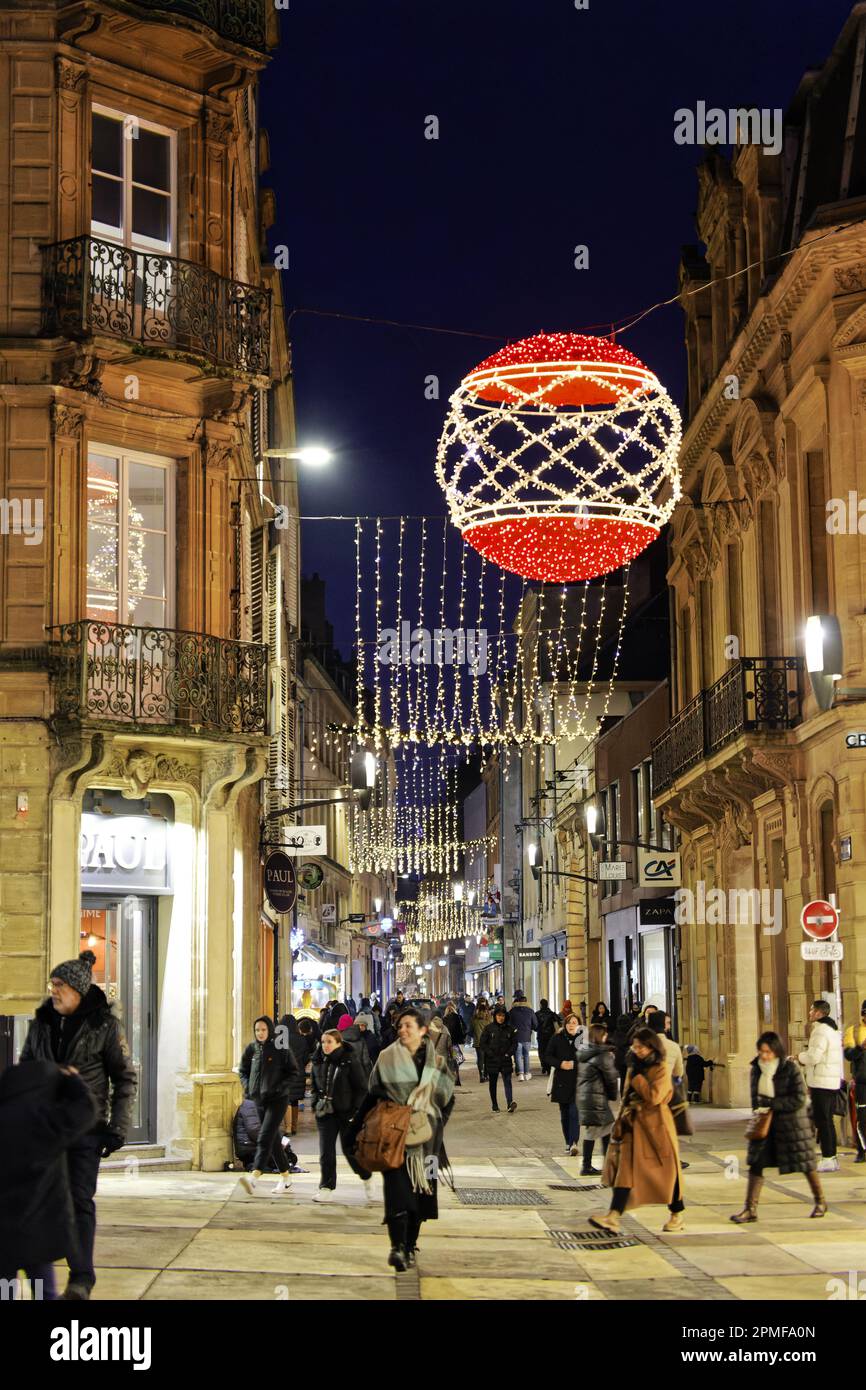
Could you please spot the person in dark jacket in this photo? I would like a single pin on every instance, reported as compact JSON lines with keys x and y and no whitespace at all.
{"x":597,"y":1089}
{"x":621,"y":1041}
{"x":245,"y":1132}
{"x":297,"y":1086}
{"x":547,"y":1022}
{"x":338,"y":1084}
{"x":398,"y":1002}
{"x":78,"y":1028}
{"x":601,"y":1014}
{"x":497,"y":1048}
{"x":777,"y":1084}
{"x":561,"y":1058}
{"x":351,"y":1005}
{"x":389,"y":1027}
{"x":44,"y":1109}
{"x":854,"y":1048}
{"x":523,"y":1020}
{"x":480,"y":1020}
{"x":267,"y":1074}
{"x":362,"y":1036}
{"x":696,"y":1070}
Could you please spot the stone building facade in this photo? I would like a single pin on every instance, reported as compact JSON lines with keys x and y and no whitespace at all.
{"x":770,"y":802}
{"x":140,"y":363}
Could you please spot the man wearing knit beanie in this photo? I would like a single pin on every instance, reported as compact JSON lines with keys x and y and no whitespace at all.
{"x":77,"y":1027}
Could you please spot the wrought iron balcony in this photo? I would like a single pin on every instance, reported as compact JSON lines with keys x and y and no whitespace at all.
{"x":241,"y":21}
{"x":158,"y":679}
{"x":758,"y":694}
{"x":92,"y":286}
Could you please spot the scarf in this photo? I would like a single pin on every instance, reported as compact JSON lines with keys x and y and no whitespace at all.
{"x":396,"y":1073}
{"x":255,"y":1069}
{"x":766,"y":1085}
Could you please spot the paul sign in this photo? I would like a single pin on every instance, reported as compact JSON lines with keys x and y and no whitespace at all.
{"x":280,"y":885}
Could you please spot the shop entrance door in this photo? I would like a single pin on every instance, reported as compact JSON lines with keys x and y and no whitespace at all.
{"x":120,"y":930}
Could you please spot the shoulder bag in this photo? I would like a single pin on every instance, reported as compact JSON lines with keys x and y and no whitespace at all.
{"x":381,"y":1143}
{"x":679,"y":1108}
{"x":758,"y":1126}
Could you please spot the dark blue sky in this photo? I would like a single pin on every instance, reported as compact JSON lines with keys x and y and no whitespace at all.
{"x":556,"y":129}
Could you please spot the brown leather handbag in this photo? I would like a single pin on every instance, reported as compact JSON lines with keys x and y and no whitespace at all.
{"x":758,"y":1125}
{"x":381,"y":1144}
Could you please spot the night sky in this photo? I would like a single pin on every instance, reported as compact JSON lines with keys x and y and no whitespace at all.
{"x":555,"y":129}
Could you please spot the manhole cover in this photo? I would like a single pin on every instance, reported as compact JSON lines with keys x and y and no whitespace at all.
{"x":501,"y":1197}
{"x":591,"y":1240}
{"x":574,"y":1186}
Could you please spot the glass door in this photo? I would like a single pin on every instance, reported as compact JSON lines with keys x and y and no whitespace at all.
{"x":121,"y":933}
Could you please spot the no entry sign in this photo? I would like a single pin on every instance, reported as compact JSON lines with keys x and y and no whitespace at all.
{"x":819,"y":919}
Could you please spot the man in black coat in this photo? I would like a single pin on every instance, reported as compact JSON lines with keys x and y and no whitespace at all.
{"x":547,"y":1021}
{"x":78,"y":1028}
{"x":43,"y":1110}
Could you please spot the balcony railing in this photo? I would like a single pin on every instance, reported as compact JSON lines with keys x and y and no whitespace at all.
{"x":92,"y":286}
{"x":241,"y":21}
{"x":157,"y":678}
{"x":758,"y":693}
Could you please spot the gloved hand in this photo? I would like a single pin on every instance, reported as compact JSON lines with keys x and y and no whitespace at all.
{"x":111,"y":1142}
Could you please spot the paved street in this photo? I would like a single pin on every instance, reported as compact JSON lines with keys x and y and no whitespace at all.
{"x":183,"y":1235}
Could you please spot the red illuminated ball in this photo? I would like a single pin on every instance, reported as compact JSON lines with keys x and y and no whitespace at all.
{"x":560,"y":550}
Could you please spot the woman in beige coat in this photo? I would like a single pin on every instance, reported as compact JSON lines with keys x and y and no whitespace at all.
{"x":644,"y":1168}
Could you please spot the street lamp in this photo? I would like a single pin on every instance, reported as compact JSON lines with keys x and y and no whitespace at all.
{"x":824,"y":656}
{"x":362,"y":776}
{"x":534,"y":857}
{"x":377,"y":906}
{"x":458,"y":892}
{"x":595,"y":825}
{"x":313,"y":455}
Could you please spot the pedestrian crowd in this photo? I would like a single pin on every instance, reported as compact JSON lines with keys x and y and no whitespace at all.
{"x":382,"y":1083}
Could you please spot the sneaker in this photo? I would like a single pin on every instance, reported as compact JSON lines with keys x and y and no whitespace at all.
{"x":828,"y":1165}
{"x":284,"y":1185}
{"x":248,"y":1183}
{"x":520,"y":1076}
{"x":495,"y":1109}
{"x":528,"y":1076}
{"x":512,"y":1106}
{"x":369,"y":1194}
{"x":861,"y":1158}
{"x":674,"y":1222}
{"x":398,"y":1259}
{"x":590,"y":1172}
{"x":325,"y":1194}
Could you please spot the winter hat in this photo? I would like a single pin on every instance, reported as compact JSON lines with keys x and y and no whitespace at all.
{"x":367,"y":1020}
{"x":344,"y":1023}
{"x":519,"y":995}
{"x":690,"y":1049}
{"x":76,"y":973}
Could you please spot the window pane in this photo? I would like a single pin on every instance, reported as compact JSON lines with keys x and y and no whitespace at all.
{"x":145,"y":565}
{"x":147,"y":612}
{"x":107,"y":202}
{"x":107,"y":155}
{"x":102,"y":537}
{"x":150,"y":215}
{"x":150,"y":162}
{"x":147,"y":496}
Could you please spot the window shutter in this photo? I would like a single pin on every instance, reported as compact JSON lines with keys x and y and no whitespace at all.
{"x":256,"y":591}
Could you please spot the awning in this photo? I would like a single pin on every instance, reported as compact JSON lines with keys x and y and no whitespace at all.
{"x":322,"y":953}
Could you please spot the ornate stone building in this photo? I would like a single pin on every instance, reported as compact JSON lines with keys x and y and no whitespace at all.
{"x":769,"y":801}
{"x":140,"y":362}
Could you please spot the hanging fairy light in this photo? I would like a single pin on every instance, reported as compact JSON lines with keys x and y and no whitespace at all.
{"x":558,"y":457}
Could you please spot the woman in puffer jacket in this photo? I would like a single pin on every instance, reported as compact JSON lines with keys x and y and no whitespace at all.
{"x":597,"y":1089}
{"x":778,"y":1085}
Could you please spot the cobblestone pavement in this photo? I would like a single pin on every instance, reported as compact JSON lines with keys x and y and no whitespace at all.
{"x":185,"y":1235}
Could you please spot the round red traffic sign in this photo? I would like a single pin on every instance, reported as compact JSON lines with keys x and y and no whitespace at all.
{"x":819,"y":919}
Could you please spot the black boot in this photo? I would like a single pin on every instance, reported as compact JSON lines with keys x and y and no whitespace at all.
{"x":413,"y":1228}
{"x":397,"y":1230}
{"x":587,"y":1170}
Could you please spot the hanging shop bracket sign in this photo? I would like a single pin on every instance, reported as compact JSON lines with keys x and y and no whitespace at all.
{"x":529,"y":953}
{"x":306,"y":839}
{"x":611,"y":870}
{"x":279,"y":881}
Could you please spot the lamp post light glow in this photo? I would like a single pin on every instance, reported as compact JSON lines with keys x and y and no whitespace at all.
{"x":458,"y":892}
{"x":313,"y":455}
{"x":824,"y":656}
{"x":363,"y":776}
{"x":377,"y":905}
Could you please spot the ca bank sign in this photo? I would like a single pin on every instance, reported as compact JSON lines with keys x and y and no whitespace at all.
{"x":129,"y":853}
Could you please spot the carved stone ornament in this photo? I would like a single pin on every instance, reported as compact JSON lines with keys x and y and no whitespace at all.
{"x":850,"y":278}
{"x":139,"y":768}
{"x":68,"y":421}
{"x":70,"y":76}
{"x":218,"y":126}
{"x":84,"y":373}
